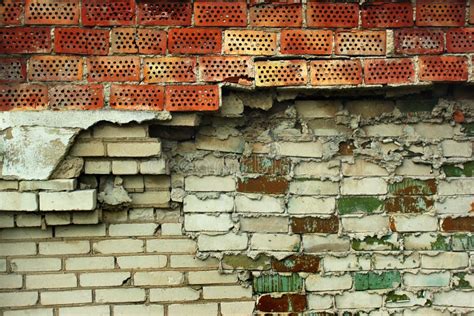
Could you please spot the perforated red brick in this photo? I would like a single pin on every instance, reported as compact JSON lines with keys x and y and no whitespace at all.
{"x":132,"y":40}
{"x":255,"y":2}
{"x":471,"y":12}
{"x":81,"y":41}
{"x":23,"y":97}
{"x":137,"y":97}
{"x":440,"y":12}
{"x":192,"y":98}
{"x":113,"y":69}
{"x":336,"y":72}
{"x":327,"y":14}
{"x":164,"y":12}
{"x":443,"y":68}
{"x":52,"y":12}
{"x":108,"y":12}
{"x":460,"y":40}
{"x":387,"y":15}
{"x":25,"y":40}
{"x":11,"y":12}
{"x":248,"y":42}
{"x":275,"y":15}
{"x":12,"y":70}
{"x":227,"y":68}
{"x":55,"y":68}
{"x":170,"y":69}
{"x":389,"y":71}
{"x":311,"y":42}
{"x":124,"y":40}
{"x":194,"y":41}
{"x":220,"y":13}
{"x":419,"y":41}
{"x":361,"y":43}
{"x":76,"y":97}
{"x":281,"y":73}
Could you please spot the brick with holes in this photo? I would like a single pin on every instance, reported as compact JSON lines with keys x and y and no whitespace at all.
{"x":194,"y":41}
{"x":386,"y":14}
{"x":23,"y":97}
{"x":55,"y":68}
{"x":440,"y":12}
{"x":107,"y":12}
{"x":81,"y":41}
{"x":236,"y":69}
{"x":471,"y":12}
{"x":52,"y":12}
{"x":118,"y":68}
{"x":249,"y":42}
{"x":460,"y":40}
{"x":336,"y":72}
{"x":360,"y":43}
{"x":418,"y":41}
{"x":301,"y":42}
{"x":192,"y":98}
{"x":12,"y":70}
{"x":328,"y":14}
{"x":11,"y":12}
{"x":76,"y":97}
{"x":220,"y":13}
{"x":137,"y":97}
{"x":164,"y":12}
{"x":281,"y":73}
{"x":169,"y":69}
{"x":389,"y":71}
{"x":25,"y":40}
{"x":443,"y":68}
{"x":276,"y":15}
{"x":127,"y":40}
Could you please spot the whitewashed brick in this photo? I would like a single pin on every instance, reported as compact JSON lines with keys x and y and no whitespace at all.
{"x":365,"y":186}
{"x":363,"y":168}
{"x":64,"y":247}
{"x":142,"y":310}
{"x":314,"y":187}
{"x":154,"y":166}
{"x":453,"y":148}
{"x":347,"y":263}
{"x":174,"y":294}
{"x":317,"y":169}
{"x":230,"y":241}
{"x":14,"y":299}
{"x":11,"y":281}
{"x":66,"y":297}
{"x":142,"y":262}
{"x":119,"y":295}
{"x":258,"y":204}
{"x":85,"y":310}
{"x":103,"y":278}
{"x":16,"y":201}
{"x":324,"y":243}
{"x":35,"y":264}
{"x":237,"y":308}
{"x":209,"y":184}
{"x":445,"y":260}
{"x":190,"y":261}
{"x":221,"y":204}
{"x":416,"y":223}
{"x":454,"y":298}
{"x":267,"y":224}
{"x":319,"y":302}
{"x":319,"y":283}
{"x":456,"y":186}
{"x":51,"y":185}
{"x":383,"y":262}
{"x":208,"y":309}
{"x":366,"y":224}
{"x":17,"y":249}
{"x":311,"y":205}
{"x":203,"y":222}
{"x":97,"y":167}
{"x":276,"y":242}
{"x":158,"y":278}
{"x":362,"y":300}
{"x":210,"y":277}
{"x":30,"y":312}
{"x":124,"y":167}
{"x":85,"y":200}
{"x":226,"y":292}
{"x":171,"y":245}
{"x":426,"y":280}
{"x":90,"y":263}
{"x":423,"y":241}
{"x":118,"y":246}
{"x":134,"y":149}
{"x":455,"y":205}
{"x":51,"y":281}
{"x":132,"y":229}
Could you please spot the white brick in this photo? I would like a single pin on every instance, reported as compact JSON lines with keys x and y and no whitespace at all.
{"x":51,"y":281}
{"x":11,"y":281}
{"x":103,"y":279}
{"x":434,"y":131}
{"x":318,"y":108}
{"x":324,"y":243}
{"x":388,"y":262}
{"x":453,"y":148}
{"x":422,"y":241}
{"x":366,"y":186}
{"x":174,"y":294}
{"x":209,"y":184}
{"x":361,"y":300}
{"x":383,"y":130}
{"x":142,"y":214}
{"x":319,"y":283}
{"x":314,"y":187}
{"x":267,"y":224}
{"x":203,"y":222}
{"x":317,"y":169}
{"x":456,"y":187}
{"x":51,"y":185}
{"x":311,"y":205}
{"x":17,"y":249}
{"x":16,"y":201}
{"x":134,"y":149}
{"x":66,"y":297}
{"x":30,"y":312}
{"x":119,"y":295}
{"x":142,"y":310}
{"x":171,"y":245}
{"x":13,"y":299}
{"x":80,"y":231}
{"x":154,"y":166}
{"x":363,"y":168}
{"x":151,"y":199}
{"x":171,"y":229}
{"x":426,"y":280}
{"x":8,"y":185}
{"x":7,"y":220}
{"x":210,"y":277}
{"x":347,"y":263}
{"x":85,"y":310}
{"x":416,"y":223}
{"x":26,"y":233}
{"x":90,"y":148}
{"x":3,"y":265}
{"x":221,"y":204}
{"x":275,"y":242}
{"x":142,"y":262}
{"x":120,"y":131}
{"x":258,"y":204}
{"x":409,"y":168}
{"x":208,"y":309}
{"x":58,"y":218}
{"x":28,"y":220}
{"x":85,"y":200}
{"x":64,"y":247}
{"x":118,"y":246}
{"x":97,"y":167}
{"x":35,"y":264}
{"x":226,"y":292}
{"x":158,"y":278}
{"x":445,"y":260}
{"x":90,"y":263}
{"x":454,"y":298}
{"x":124,"y":167}
{"x":308,"y":149}
{"x":132,"y":229}
{"x":230,"y":241}
{"x":190,"y":261}
{"x":423,"y":311}
{"x":366,"y":224}
{"x":232,"y":144}
{"x":319,"y":302}
{"x":237,"y":308}
{"x":455,"y":205}
{"x":157,"y":183}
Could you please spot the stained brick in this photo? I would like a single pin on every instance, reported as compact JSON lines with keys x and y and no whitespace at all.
{"x":164,"y":12}
{"x":52,"y":12}
{"x":387,"y":14}
{"x":55,"y":68}
{"x":359,"y":204}
{"x":440,"y":12}
{"x":137,"y":97}
{"x":261,"y":262}
{"x":263,"y":184}
{"x":11,"y":12}
{"x":326,"y":14}
{"x":312,"y":42}
{"x":281,"y":73}
{"x":360,"y":43}
{"x":81,"y":41}
{"x":113,"y":69}
{"x":274,"y":15}
{"x":308,"y":225}
{"x":77,"y":97}
{"x":443,"y":68}
{"x":194,"y":41}
{"x":249,"y":42}
{"x":170,"y":69}
{"x":413,"y":187}
{"x":467,"y":170}
{"x":25,"y":40}
{"x":297,"y":263}
{"x":458,"y":224}
{"x":23,"y":96}
{"x":143,"y":40}
{"x":389,"y":71}
{"x":377,"y":281}
{"x":220,"y":13}
{"x":284,"y":303}
{"x":269,"y":283}
{"x":12,"y":70}
{"x":460,"y":40}
{"x":336,"y":72}
{"x":419,"y":41}
{"x":108,"y":12}
{"x":265,"y":165}
{"x":408,"y":204}
{"x":227,"y":68}
{"x":192,"y":98}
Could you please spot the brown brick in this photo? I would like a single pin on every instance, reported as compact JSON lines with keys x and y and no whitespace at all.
{"x":263,"y":184}
{"x":284,"y":303}
{"x":304,"y":225}
{"x":297,"y":263}
{"x":408,"y":204}
{"x":458,"y":224}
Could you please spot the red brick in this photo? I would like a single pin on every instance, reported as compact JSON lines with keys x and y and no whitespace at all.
{"x":419,"y":41}
{"x":137,"y":97}
{"x":108,"y":12}
{"x":113,"y":69}
{"x":132,"y":41}
{"x":460,"y":40}
{"x":336,"y":72}
{"x":236,"y":69}
{"x":263,"y":184}
{"x":255,"y":2}
{"x":23,"y":97}
{"x":361,"y":43}
{"x":458,"y":224}
{"x":25,"y":40}
{"x":384,"y":14}
{"x":52,"y":12}
{"x":389,"y":71}
{"x":309,"y":225}
{"x":325,"y":14}
{"x":55,"y":68}
{"x":194,"y":41}
{"x":76,"y":97}
{"x":297,"y":263}
{"x":274,"y":15}
{"x":311,"y":42}
{"x":249,"y":42}
{"x":280,"y":304}
{"x":281,"y":73}
{"x":12,"y":70}
{"x":192,"y":98}
{"x":440,"y":12}
{"x":81,"y":41}
{"x":443,"y":68}
{"x":11,"y":12}
{"x":164,"y":12}
{"x":170,"y":69}
{"x":220,"y":13}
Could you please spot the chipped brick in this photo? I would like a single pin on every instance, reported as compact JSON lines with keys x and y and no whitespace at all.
{"x":164,"y":12}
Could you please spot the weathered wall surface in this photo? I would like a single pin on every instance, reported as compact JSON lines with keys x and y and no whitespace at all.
{"x":323,"y":205}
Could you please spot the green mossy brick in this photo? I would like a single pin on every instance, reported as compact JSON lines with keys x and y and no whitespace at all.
{"x":269,"y":283}
{"x":409,"y":186}
{"x":394,"y":297}
{"x":359,"y":204}
{"x":468,"y":129}
{"x":463,"y":242}
{"x":374,"y":243}
{"x":466,"y":171}
{"x":414,"y":105}
{"x":262,"y":262}
{"x":460,"y":281}
{"x":361,"y":281}
{"x":441,"y":243}
{"x":377,"y":281}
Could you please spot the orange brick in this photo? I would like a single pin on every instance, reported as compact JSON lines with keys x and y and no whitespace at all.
{"x":301,"y":42}
{"x":236,"y":69}
{"x":220,"y":13}
{"x":248,"y":42}
{"x":281,"y":73}
{"x":360,"y":43}
{"x":108,"y":12}
{"x":192,"y":98}
{"x":82,"y":41}
{"x":443,"y":68}
{"x":336,"y":72}
{"x":117,"y":68}
{"x":12,"y":70}
{"x":440,"y":12}
{"x":23,"y":97}
{"x":76,"y":97}
{"x":274,"y":15}
{"x":11,"y":12}
{"x":55,"y":68}
{"x":389,"y":71}
{"x":52,"y":12}
{"x":170,"y":69}
{"x":460,"y":40}
{"x":387,"y":14}
{"x":326,"y":14}
{"x":25,"y":40}
{"x":137,"y":97}
{"x":194,"y":41}
{"x":164,"y":12}
{"x":132,"y":41}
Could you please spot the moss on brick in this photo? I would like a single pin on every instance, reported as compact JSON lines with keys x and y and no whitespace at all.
{"x":268,"y":283}
{"x":467,"y":170}
{"x":460,"y":281}
{"x":463,"y":242}
{"x":410,"y":186}
{"x":393,"y":297}
{"x":374,"y":243}
{"x":359,"y":204}
{"x":441,"y":243}
{"x":262,"y":262}
{"x":377,"y":281}
{"x":468,"y":129}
